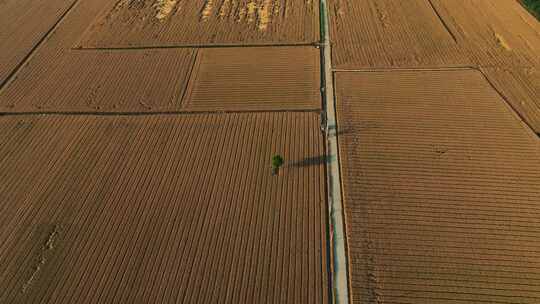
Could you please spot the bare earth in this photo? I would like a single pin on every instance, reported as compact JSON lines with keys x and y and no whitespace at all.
{"x":135,"y":23}
{"x":21,"y":31}
{"x":162,"y":209}
{"x":250,"y":79}
{"x":136,"y":139}
{"x":490,"y":35}
{"x":441,"y":187}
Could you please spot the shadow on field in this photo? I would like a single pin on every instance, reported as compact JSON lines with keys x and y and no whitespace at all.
{"x":341,"y":131}
{"x":311,"y":161}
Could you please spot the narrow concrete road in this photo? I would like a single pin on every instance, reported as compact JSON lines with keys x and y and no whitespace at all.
{"x":340,"y":286}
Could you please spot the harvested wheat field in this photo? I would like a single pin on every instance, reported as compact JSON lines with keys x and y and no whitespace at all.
{"x":493,"y":33}
{"x":498,"y":37}
{"x":135,"y":23}
{"x":21,"y":31}
{"x":433,"y":33}
{"x":106,"y":81}
{"x":162,"y":209}
{"x":255,"y":79}
{"x":521,"y":87}
{"x":441,"y":183}
{"x":58,"y":78}
{"x":388,"y":33}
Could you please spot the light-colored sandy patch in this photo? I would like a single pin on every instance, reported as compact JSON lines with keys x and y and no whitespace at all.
{"x":264,"y":15}
{"x":277,"y":8}
{"x":382,"y":15}
{"x":164,"y":8}
{"x":241,"y":14}
{"x":47,"y":247}
{"x":225,"y":9}
{"x":251,"y":11}
{"x":502,"y":42}
{"x":207,"y":10}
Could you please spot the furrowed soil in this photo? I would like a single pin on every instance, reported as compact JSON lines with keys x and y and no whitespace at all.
{"x":386,"y":33}
{"x":59,"y":78}
{"x":521,"y":88}
{"x":162,"y":209}
{"x":432,"y":33}
{"x":144,"y":23}
{"x":255,"y":79}
{"x":492,"y":36}
{"x":441,"y":183}
{"x":21,"y":31}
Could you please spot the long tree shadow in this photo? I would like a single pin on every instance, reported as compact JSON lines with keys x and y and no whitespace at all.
{"x":333,"y":131}
{"x":311,"y":161}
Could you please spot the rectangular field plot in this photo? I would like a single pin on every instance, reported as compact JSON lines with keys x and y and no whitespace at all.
{"x":58,"y":78}
{"x":493,"y":33}
{"x":104,"y":81}
{"x":250,"y":79}
{"x":136,"y":23}
{"x":21,"y":31}
{"x":441,"y":186}
{"x":162,"y":209}
{"x":386,"y":33}
{"x":433,"y":33}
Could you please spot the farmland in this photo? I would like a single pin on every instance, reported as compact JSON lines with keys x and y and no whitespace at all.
{"x":438,"y":122}
{"x":442,"y":189}
{"x":112,"y":218}
{"x":138,"y":139}
{"x":250,"y":79}
{"x":17,"y":21}
{"x":132,"y":23}
{"x":501,"y":36}
{"x":135,"y":174}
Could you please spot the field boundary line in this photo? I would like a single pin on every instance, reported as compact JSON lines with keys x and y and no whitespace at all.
{"x":193,"y":46}
{"x":139,"y":113}
{"x":187,"y":86}
{"x":33,"y":50}
{"x":394,"y":69}
{"x":339,"y":265}
{"x":442,"y":21}
{"x":517,"y":114}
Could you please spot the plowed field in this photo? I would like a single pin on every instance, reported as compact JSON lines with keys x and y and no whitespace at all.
{"x":162,"y":209}
{"x":135,"y":23}
{"x":441,"y":184}
{"x":138,"y":81}
{"x":433,"y":33}
{"x":59,"y":78}
{"x":249,"y":79}
{"x":386,"y":33}
{"x":521,"y":87}
{"x":21,"y":31}
{"x":499,"y":37}
{"x":493,"y":33}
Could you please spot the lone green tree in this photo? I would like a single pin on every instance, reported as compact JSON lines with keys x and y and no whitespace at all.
{"x":277,"y":162}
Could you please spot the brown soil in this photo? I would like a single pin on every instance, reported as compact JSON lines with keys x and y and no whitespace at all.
{"x":521,"y":88}
{"x":249,"y":79}
{"x":21,"y":31}
{"x":387,"y":33}
{"x":441,"y":184}
{"x":430,"y":33}
{"x":59,"y":78}
{"x":490,"y":35}
{"x":134,"y":23}
{"x":162,"y":209}
{"x":138,"y":81}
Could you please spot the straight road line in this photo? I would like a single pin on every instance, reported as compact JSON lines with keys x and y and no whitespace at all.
{"x":338,"y":240}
